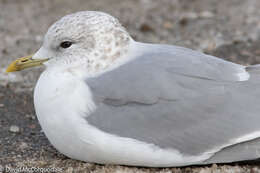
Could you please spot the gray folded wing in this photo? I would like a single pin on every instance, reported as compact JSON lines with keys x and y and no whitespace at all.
{"x":177,"y":98}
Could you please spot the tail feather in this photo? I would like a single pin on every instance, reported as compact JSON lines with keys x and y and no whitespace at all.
{"x":249,"y":150}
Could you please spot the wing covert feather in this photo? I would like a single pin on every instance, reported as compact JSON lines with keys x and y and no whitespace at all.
{"x":173,"y":100}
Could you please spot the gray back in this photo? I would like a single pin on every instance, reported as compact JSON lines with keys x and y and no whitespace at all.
{"x":177,"y":99}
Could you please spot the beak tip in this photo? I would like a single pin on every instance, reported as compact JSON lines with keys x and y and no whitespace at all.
{"x":7,"y":70}
{"x":10,"y":68}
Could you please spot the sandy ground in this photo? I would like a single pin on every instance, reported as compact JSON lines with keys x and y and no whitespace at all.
{"x":228,"y":29}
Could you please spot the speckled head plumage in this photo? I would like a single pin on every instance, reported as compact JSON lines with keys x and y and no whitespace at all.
{"x":97,"y":39}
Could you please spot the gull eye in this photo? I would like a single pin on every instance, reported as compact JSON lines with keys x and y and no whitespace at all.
{"x":65,"y":44}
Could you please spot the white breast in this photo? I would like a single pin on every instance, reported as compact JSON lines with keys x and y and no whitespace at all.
{"x":61,"y":101}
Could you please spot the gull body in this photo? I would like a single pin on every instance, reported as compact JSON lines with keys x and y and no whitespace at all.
{"x":108,"y":99}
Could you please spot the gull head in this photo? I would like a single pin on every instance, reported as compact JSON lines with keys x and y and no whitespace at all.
{"x":89,"y":39}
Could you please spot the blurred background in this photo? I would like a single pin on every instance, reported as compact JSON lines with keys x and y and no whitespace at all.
{"x":228,"y":29}
{"x":203,"y":25}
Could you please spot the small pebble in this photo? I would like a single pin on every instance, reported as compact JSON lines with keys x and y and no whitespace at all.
{"x":14,"y":129}
{"x":32,"y":126}
{"x":246,"y":53}
{"x":4,"y":51}
{"x":2,"y":105}
{"x":206,"y":14}
{"x":69,"y":170}
{"x":190,"y":15}
{"x":145,"y":28}
{"x":257,"y":52}
{"x":30,"y":116}
{"x":168,"y":25}
{"x":38,"y":38}
{"x":23,"y":145}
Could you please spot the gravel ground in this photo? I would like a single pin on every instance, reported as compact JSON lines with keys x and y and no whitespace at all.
{"x":228,"y":29}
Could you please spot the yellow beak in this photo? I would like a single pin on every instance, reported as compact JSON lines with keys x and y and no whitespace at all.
{"x":25,"y":62}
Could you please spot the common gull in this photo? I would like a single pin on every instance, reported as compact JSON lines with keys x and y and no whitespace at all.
{"x":108,"y":99}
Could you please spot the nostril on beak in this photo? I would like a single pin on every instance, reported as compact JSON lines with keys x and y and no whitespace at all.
{"x":24,"y":60}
